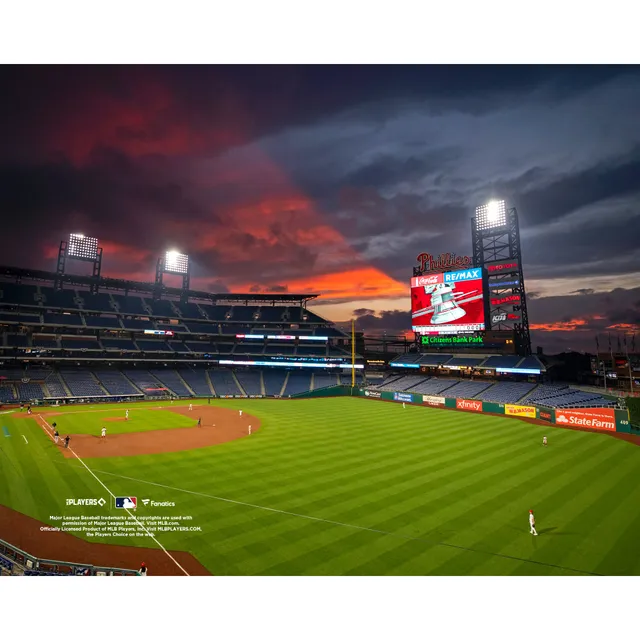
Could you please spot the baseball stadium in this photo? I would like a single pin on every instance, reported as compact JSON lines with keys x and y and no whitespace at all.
{"x":160,"y":429}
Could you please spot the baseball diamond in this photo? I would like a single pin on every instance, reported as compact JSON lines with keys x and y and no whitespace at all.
{"x":325,"y":486}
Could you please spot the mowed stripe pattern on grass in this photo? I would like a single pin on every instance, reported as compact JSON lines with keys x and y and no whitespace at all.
{"x":447,"y":493}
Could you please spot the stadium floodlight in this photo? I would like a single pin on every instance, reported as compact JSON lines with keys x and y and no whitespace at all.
{"x":82,"y":247}
{"x":175,"y":262}
{"x":491,"y":215}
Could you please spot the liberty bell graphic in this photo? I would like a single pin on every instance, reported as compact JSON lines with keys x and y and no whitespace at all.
{"x":443,"y":301}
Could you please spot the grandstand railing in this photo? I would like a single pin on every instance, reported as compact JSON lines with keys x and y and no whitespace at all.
{"x":23,"y":563}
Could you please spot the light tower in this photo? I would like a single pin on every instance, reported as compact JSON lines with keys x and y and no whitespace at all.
{"x":496,"y":248}
{"x":173,"y":263}
{"x":83,"y":249}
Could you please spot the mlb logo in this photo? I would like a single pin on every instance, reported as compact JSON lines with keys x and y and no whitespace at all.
{"x":127,"y":503}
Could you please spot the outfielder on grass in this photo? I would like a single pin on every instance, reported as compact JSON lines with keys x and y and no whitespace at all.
{"x":532,"y":523}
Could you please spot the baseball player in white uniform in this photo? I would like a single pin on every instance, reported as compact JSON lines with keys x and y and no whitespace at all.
{"x":241,"y":413}
{"x":532,"y":523}
{"x":404,"y":406}
{"x":104,"y":433}
{"x":544,"y":441}
{"x":190,"y":407}
{"x":126,"y":414}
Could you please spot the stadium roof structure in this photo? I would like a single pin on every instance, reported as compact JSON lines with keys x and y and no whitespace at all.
{"x":17,"y":274}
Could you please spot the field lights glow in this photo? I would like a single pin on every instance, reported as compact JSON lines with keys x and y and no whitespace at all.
{"x":82,"y":247}
{"x":490,"y":215}
{"x":175,"y":262}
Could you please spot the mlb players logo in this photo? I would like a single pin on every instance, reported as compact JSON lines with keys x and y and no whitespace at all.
{"x":127,"y":503}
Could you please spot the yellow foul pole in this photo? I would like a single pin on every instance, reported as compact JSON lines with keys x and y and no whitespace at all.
{"x":353,"y":353}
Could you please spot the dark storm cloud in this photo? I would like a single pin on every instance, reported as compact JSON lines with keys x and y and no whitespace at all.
{"x":113,"y":197}
{"x":267,"y":175}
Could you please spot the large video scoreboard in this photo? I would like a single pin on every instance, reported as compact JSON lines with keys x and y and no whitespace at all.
{"x":449,"y":302}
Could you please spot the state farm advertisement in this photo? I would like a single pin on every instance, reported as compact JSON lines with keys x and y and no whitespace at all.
{"x":434,"y":401}
{"x":446,"y":303}
{"x":517,"y":410}
{"x":468,"y":405}
{"x":601,"y":419}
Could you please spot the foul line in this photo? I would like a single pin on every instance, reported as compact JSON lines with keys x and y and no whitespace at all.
{"x":351,"y":526}
{"x":114,"y":497}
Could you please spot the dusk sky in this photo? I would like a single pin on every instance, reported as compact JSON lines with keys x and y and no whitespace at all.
{"x":332,"y":180}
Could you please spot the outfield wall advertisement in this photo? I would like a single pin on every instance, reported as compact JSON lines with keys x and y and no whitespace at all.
{"x":517,"y":410}
{"x":601,"y":419}
{"x":611,"y":420}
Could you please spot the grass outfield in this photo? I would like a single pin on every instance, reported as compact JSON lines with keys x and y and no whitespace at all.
{"x":345,"y":486}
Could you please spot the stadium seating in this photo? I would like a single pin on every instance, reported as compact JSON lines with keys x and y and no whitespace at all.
{"x":118,"y":344}
{"x":248,"y":347}
{"x":152,"y":345}
{"x":96,"y":301}
{"x":17,"y":340}
{"x":172,"y":380}
{"x":465,"y":389}
{"x":7,"y":393}
{"x":162,"y":308}
{"x":65,"y":299}
{"x":21,"y":318}
{"x":273,"y":381}
{"x":213,"y":312}
{"x":501,"y":362}
{"x":197,"y":381}
{"x":322,"y":380}
{"x":507,"y":392}
{"x":18,"y":294}
{"x":75,"y":344}
{"x":279,"y":349}
{"x":132,"y":305}
{"x":189,"y":310}
{"x":403,"y":383}
{"x":178,"y":346}
{"x":146,"y":382}
{"x":135,"y":324}
{"x":116,"y":383}
{"x":29,"y":391}
{"x":530,"y":362}
{"x":200,"y":347}
{"x":224,"y":383}
{"x":298,"y":382}
{"x":54,"y":387}
{"x":45,"y":342}
{"x":202,"y":327}
{"x":433,"y":359}
{"x":103,"y":322}
{"x":316,"y":350}
{"x":250,"y":381}
{"x":63,"y":319}
{"x":82,"y":383}
{"x":432,"y":386}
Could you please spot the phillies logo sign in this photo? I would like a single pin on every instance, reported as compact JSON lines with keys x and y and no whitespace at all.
{"x":444,"y":261}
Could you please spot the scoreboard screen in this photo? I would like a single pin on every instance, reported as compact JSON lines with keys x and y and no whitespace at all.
{"x":448,"y":303}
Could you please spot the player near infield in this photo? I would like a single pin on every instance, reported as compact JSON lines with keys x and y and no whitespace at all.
{"x":103,"y":435}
